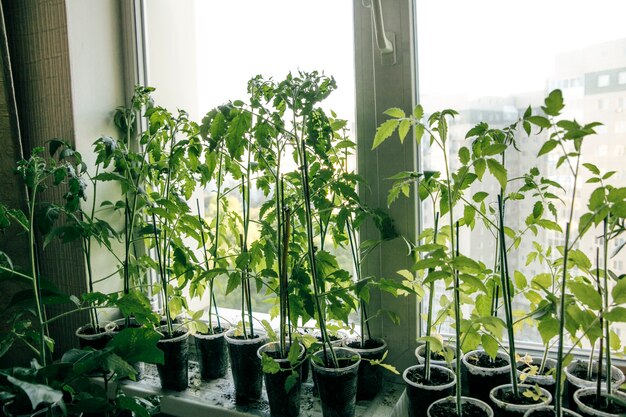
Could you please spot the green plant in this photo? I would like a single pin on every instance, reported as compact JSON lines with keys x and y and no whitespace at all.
{"x":443,"y":262}
{"x":62,"y":384}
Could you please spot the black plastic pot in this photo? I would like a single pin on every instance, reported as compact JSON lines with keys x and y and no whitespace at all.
{"x":174,"y":372}
{"x":245,"y":365}
{"x":548,"y":411}
{"x":370,"y":376}
{"x":336,"y":341}
{"x":337,"y":386}
{"x":283,"y":403}
{"x":504,"y":408}
{"x":419,"y":354}
{"x":97,"y":340}
{"x":444,"y":407}
{"x":585,"y":408}
{"x":576,"y":378}
{"x":480,"y":379}
{"x":212,"y":354}
{"x":420,"y":396}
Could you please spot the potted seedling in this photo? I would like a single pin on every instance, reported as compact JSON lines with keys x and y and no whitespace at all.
{"x":444,"y":262}
{"x":566,"y":137}
{"x":597,"y":385}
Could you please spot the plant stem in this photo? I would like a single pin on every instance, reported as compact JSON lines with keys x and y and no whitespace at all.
{"x":558,"y":393}
{"x":164,"y":282}
{"x":601,"y":317}
{"x":313,"y":264}
{"x":429,"y":319}
{"x":457,"y":327}
{"x":607,"y":330}
{"x":36,"y":282}
{"x":506,"y":294}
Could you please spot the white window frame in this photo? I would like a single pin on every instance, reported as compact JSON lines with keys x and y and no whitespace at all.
{"x":380,"y":86}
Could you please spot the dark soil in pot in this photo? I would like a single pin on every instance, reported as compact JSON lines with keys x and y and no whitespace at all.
{"x":588,"y":404}
{"x":422,"y":394}
{"x":88,"y":337}
{"x":370,"y":376}
{"x":212,"y":354}
{"x":506,"y":404}
{"x":174,"y":372}
{"x":448,"y":409}
{"x":484,"y":373}
{"x":577,"y":378}
{"x":245,"y":365}
{"x":337,"y":386}
{"x":602,"y":405}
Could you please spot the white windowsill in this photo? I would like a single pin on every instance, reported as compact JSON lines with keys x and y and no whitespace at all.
{"x":216,"y":398}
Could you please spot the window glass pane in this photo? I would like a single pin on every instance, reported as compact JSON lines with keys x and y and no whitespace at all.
{"x":202,"y":54}
{"x":490,"y":62}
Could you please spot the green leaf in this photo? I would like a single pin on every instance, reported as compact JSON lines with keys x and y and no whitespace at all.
{"x":586,"y":294}
{"x":385,"y":130}
{"x":616,"y":314}
{"x":540,"y":121}
{"x":436,"y":345}
{"x":270,"y":366}
{"x":418,"y":112}
{"x":617,"y":194}
{"x":395,"y":112}
{"x":619,"y":292}
{"x":291,"y":381}
{"x":479,"y":167}
{"x":132,"y":404}
{"x":520,"y":280}
{"x":468,"y":214}
{"x":294,"y":353}
{"x":498,"y":171}
{"x":463,"y":263}
{"x":403,"y":130}
{"x":464,"y":155}
{"x":37,"y":393}
{"x":591,"y":167}
{"x":480,"y":196}
{"x":490,"y":344}
{"x":548,"y":328}
{"x":548,"y":146}
{"x":619,"y":209}
{"x":137,"y":345}
{"x":119,"y":366}
{"x":554,"y":103}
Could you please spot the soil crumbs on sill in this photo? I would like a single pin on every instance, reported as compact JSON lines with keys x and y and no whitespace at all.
{"x":221,"y":393}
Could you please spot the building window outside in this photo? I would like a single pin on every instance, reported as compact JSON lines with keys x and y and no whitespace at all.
{"x":604,"y":80}
{"x":621,"y":78}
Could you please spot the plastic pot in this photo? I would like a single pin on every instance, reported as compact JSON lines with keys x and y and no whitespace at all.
{"x":338,"y":342}
{"x":174,"y":372}
{"x":548,"y":411}
{"x":245,"y":365}
{"x":503,"y":408}
{"x":419,"y":354}
{"x":547,"y":382}
{"x":481,"y":380}
{"x":587,"y":410}
{"x":575,"y":382}
{"x":444,"y":407}
{"x":370,"y":380}
{"x":337,"y":386}
{"x":283,"y":403}
{"x":88,"y":338}
{"x":421,"y":396}
{"x":212,"y":354}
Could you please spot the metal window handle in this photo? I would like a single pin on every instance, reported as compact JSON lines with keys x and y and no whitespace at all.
{"x":384,"y":44}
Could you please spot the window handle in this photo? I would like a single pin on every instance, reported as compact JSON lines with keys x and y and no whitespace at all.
{"x":384,"y":44}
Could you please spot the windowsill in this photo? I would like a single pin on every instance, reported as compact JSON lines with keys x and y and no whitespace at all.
{"x":216,"y":398}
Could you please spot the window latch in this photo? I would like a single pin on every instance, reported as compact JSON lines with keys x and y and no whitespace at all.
{"x":383,"y":42}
